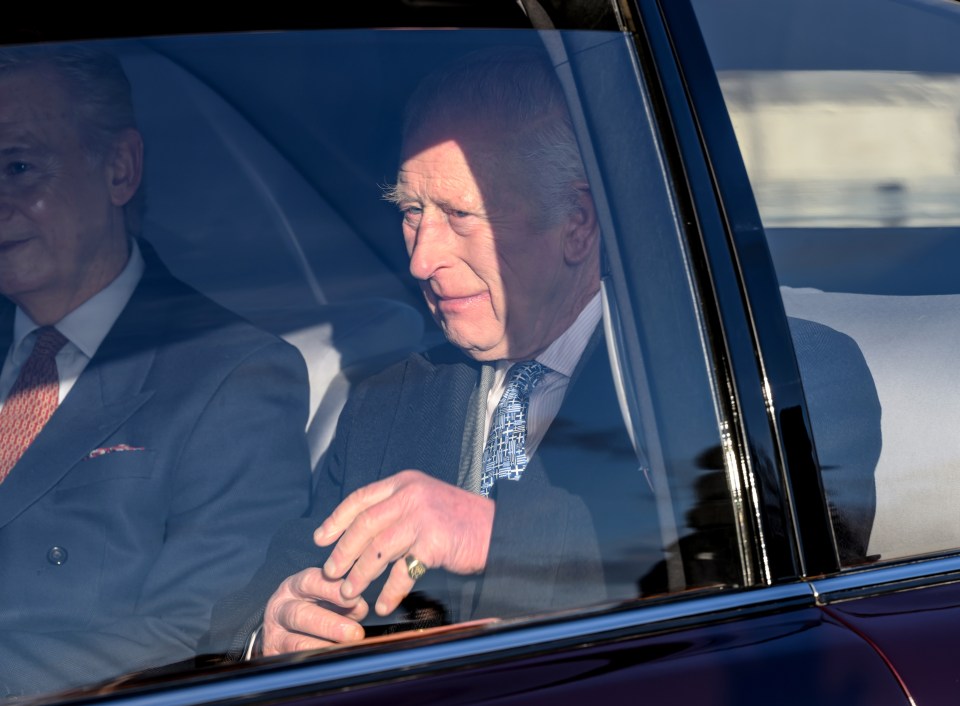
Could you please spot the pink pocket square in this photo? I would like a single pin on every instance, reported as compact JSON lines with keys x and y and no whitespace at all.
{"x":111,"y":449}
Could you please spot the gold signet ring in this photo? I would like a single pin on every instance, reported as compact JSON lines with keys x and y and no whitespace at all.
{"x":415,"y":568}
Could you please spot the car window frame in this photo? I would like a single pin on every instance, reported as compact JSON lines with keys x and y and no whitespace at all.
{"x":760,"y":289}
{"x":830,"y":583}
{"x":793,"y":514}
{"x":755,"y":455}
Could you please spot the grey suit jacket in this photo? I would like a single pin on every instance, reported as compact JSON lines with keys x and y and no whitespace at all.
{"x":111,"y":562}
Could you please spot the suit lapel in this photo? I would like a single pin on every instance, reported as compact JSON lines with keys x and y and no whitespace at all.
{"x":588,"y":427}
{"x":471,"y":452}
{"x":573,"y":407}
{"x":431,"y":415}
{"x":7,"y":311}
{"x":78,"y":426}
{"x":108,"y":391}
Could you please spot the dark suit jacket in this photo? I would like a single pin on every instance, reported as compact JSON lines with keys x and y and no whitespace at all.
{"x":112,"y":563}
{"x":581,"y":507}
{"x":553,"y":540}
{"x":581,"y":526}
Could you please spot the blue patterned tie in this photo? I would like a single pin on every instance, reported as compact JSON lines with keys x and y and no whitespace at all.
{"x":505,"y":454}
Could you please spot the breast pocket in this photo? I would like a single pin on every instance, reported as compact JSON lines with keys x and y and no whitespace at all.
{"x":109,"y":464}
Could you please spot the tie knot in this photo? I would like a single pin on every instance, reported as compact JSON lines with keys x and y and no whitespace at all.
{"x":525,"y":376}
{"x":49,"y":342}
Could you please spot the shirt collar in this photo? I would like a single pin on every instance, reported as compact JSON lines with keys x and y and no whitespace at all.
{"x":87,"y":325}
{"x":564,"y":353}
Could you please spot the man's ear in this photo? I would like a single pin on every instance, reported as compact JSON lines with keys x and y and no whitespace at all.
{"x":124,"y":166}
{"x":583,"y":233}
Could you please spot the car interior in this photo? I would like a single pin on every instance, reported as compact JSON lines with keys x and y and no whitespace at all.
{"x":284,"y":223}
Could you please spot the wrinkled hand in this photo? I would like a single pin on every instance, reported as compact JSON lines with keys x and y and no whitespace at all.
{"x":408,"y":513}
{"x":308,"y":611}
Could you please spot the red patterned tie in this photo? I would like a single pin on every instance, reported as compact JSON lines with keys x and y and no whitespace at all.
{"x":32,"y":400}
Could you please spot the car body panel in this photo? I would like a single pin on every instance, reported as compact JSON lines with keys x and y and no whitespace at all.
{"x":916,"y":630}
{"x":800,"y":657}
{"x":794,"y":627}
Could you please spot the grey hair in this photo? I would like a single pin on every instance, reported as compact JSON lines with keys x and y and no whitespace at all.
{"x":515,"y":91}
{"x":102,"y":103}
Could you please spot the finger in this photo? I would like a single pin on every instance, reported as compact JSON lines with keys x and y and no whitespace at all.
{"x":362,"y":532}
{"x":323,"y":621}
{"x":355,"y":503}
{"x":395,"y":590}
{"x":294,"y":620}
{"x":388,"y":546}
{"x":310,"y":584}
{"x":303,"y":625}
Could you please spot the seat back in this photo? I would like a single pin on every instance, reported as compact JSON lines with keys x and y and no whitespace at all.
{"x":233,"y":217}
{"x":912,"y":346}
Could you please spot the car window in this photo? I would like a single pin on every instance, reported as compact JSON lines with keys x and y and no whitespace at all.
{"x":846,"y":118}
{"x":284,"y":336}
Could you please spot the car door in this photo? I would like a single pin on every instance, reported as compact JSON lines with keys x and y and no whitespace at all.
{"x":709,"y":372}
{"x":845,"y":116}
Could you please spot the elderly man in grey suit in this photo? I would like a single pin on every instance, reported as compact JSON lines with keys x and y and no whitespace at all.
{"x":150,"y":441}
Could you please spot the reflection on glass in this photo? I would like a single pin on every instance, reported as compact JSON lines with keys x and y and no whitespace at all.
{"x":849,"y":149}
{"x":189,"y":435}
{"x":850,"y":136}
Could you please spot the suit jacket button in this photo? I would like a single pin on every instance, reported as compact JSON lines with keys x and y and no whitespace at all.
{"x":57,"y":555}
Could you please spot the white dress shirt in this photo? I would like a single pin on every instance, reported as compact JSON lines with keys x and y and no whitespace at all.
{"x":561,"y":357}
{"x":84,"y":328}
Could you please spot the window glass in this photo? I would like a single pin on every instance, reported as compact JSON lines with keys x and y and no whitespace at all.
{"x":847,"y":118}
{"x":266,"y":249}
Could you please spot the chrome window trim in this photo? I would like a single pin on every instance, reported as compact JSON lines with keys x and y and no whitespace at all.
{"x":877,"y":580}
{"x":751,"y":437}
{"x":290,"y":677}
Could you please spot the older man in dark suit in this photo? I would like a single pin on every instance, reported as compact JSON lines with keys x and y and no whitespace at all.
{"x":460,"y":460}
{"x":493,"y":473}
{"x":149,"y":439}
